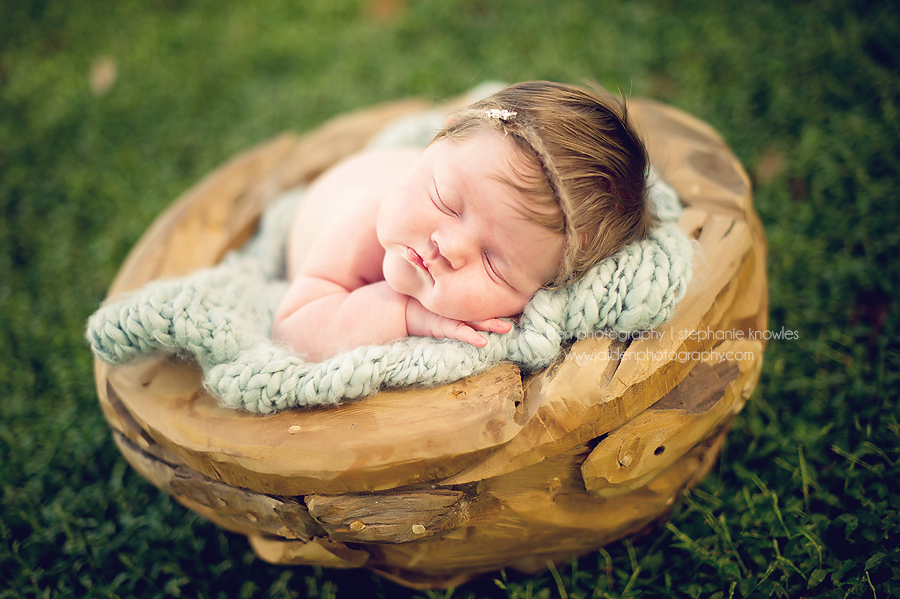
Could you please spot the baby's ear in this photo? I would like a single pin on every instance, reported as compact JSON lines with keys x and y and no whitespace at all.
{"x":450,"y":120}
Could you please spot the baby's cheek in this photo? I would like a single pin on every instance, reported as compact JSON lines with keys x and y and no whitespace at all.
{"x":471,"y":306}
{"x":392,"y":269}
{"x":501,"y":305}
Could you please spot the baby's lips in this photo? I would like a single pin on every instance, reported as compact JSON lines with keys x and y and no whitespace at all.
{"x":414,"y":257}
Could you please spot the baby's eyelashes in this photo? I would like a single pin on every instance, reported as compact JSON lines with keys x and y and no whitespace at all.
{"x":443,"y":208}
{"x":492,"y":270}
{"x":441,"y":205}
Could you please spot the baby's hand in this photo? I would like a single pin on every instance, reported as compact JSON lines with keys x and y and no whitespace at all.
{"x":421,"y":321}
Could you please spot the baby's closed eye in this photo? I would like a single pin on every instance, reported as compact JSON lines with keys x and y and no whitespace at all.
{"x":492,"y":269}
{"x":439,"y":203}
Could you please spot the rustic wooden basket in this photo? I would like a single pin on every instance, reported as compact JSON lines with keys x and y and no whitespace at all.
{"x":430,"y":487}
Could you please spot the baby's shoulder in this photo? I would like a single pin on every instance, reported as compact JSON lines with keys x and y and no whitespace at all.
{"x":352,"y":188}
{"x":372,"y":168}
{"x":339,"y":209}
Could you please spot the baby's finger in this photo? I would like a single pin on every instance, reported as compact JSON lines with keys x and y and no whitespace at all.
{"x":463,"y":332}
{"x":491,"y":325}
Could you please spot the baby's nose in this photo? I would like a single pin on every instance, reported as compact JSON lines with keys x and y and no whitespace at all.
{"x":455,"y":246}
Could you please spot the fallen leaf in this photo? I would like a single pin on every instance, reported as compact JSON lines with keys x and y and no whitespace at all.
{"x":385,"y":10}
{"x":103,"y":75}
{"x":770,"y":165}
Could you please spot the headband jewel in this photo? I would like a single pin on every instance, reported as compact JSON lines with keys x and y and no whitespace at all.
{"x":504,"y":114}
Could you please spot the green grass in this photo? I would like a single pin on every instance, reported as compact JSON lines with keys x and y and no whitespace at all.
{"x":804,"y":501}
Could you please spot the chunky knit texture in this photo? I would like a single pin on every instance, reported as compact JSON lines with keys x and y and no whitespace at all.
{"x":222,"y":317}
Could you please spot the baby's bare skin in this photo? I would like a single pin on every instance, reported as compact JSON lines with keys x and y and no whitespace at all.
{"x":338,"y":193}
{"x":405,"y":242}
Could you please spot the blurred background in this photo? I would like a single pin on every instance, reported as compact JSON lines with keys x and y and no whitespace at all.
{"x":111,"y":109}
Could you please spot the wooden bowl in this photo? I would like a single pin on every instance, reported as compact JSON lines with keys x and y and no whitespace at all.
{"x":430,"y":487}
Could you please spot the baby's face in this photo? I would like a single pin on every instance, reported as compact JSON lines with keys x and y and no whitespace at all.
{"x":456,"y":236}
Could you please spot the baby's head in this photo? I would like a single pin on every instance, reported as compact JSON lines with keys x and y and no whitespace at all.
{"x":528,"y":188}
{"x":594,"y":165}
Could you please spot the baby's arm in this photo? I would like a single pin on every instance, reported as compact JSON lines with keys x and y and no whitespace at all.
{"x":421,"y":321}
{"x":320,"y":318}
{"x":334,"y":302}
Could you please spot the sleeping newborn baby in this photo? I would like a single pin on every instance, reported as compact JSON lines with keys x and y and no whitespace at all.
{"x":525,"y":189}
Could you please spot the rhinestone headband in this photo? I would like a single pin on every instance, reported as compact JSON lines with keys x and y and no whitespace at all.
{"x":504,"y":114}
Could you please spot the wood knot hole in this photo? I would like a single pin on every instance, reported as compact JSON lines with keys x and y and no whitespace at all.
{"x":659,"y":450}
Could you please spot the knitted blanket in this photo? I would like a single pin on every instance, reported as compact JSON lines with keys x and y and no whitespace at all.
{"x":222,"y":317}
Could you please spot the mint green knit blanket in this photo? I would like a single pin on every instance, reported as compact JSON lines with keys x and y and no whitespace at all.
{"x":222,"y":317}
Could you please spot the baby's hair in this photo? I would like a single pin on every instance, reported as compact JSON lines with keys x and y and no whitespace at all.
{"x":593,"y":165}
